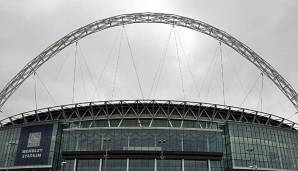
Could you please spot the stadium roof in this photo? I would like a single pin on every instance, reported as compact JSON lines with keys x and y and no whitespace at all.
{"x":144,"y":113}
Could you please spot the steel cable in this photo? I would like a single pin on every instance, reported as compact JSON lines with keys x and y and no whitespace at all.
{"x":116,"y":69}
{"x":134,"y":65}
{"x":179,"y":64}
{"x":209,"y":69}
{"x":250,"y":90}
{"x":222,"y":74}
{"x":88,"y":68}
{"x":74,"y":74}
{"x":158,"y":72}
{"x":35,"y":94}
{"x":107,"y":61}
{"x":48,"y":92}
{"x":188,"y":65}
{"x":260,"y":101}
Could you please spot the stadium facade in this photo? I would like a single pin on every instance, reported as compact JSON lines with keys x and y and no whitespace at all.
{"x":147,"y":135}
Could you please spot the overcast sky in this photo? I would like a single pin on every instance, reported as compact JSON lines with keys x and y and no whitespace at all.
{"x":269,"y":27}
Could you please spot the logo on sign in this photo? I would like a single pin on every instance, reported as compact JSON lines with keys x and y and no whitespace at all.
{"x":34,"y":139}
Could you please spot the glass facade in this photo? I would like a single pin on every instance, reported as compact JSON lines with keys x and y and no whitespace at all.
{"x":159,"y":144}
{"x":243,"y":146}
{"x":195,"y":165}
{"x":262,"y":146}
{"x":9,"y":139}
{"x":143,"y":139}
{"x":90,"y":165}
{"x":142,"y":165}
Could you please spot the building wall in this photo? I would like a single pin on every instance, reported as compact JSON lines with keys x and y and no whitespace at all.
{"x":9,"y":138}
{"x":242,"y":145}
{"x":141,"y":139}
{"x":142,"y":165}
{"x":262,"y":146}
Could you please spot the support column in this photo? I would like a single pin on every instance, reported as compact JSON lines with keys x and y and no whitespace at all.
{"x":182,"y":144}
{"x":209,"y":165}
{"x":208,"y":150}
{"x":182,"y":164}
{"x":279,"y":153}
{"x":127,"y":164}
{"x":155,"y":164}
{"x":100,"y":164}
{"x":101,"y":143}
{"x":75,"y":165}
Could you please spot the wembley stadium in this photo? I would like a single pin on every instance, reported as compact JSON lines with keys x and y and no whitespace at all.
{"x":148,"y":135}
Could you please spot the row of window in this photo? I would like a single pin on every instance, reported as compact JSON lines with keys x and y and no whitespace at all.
{"x":9,"y":139}
{"x":143,"y":139}
{"x":263,"y":146}
{"x":141,"y":165}
{"x":270,"y":133}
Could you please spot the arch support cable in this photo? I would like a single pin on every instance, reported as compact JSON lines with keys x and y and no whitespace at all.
{"x":261,"y":92}
{"x":188,"y":65}
{"x":117,"y":66}
{"x":35,"y":93}
{"x":222,"y":75}
{"x":134,"y":63}
{"x":74,"y":73}
{"x":160,"y":67}
{"x":179,"y":65}
{"x":170,"y":19}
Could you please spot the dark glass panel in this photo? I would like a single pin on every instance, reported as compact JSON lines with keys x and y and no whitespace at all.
{"x":262,"y":146}
{"x":195,"y":165}
{"x":68,"y":165}
{"x":141,"y":165}
{"x":169,"y":165}
{"x":101,"y":123}
{"x":114,"y":164}
{"x":130,"y":123}
{"x":160,"y":123}
{"x":143,"y":139}
{"x":114,"y":122}
{"x":176,"y":123}
{"x":90,"y":165}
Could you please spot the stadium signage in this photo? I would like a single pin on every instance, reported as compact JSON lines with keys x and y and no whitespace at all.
{"x":34,"y":145}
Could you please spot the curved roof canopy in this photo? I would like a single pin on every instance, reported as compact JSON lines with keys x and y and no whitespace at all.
{"x":146,"y":113}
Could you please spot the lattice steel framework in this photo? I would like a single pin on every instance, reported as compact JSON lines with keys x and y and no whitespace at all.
{"x":171,"y":19}
{"x":147,"y":110}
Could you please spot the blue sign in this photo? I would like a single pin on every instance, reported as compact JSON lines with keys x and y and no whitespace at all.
{"x":34,"y":145}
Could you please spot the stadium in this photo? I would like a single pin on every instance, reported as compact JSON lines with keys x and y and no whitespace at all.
{"x":148,"y":135}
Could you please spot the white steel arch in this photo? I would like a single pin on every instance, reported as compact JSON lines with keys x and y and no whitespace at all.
{"x":171,"y":19}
